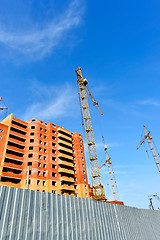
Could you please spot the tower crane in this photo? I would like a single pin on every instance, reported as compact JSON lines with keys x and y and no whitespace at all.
{"x":98,"y":189}
{"x":2,"y":108}
{"x":150,"y":142}
{"x":112,"y":180}
{"x":150,"y":199}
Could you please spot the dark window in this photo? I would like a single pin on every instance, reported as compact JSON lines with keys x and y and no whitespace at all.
{"x":29,"y":172}
{"x":1,"y":130}
{"x":53,"y":166}
{"x":30,"y":155}
{"x":53,"y":158}
{"x":32,"y":134}
{"x":29,"y":163}
{"x":53,"y":183}
{"x":33,"y":120}
{"x":53,"y":174}
{"x":32,"y":127}
{"x":31,"y":140}
{"x":31,"y":148}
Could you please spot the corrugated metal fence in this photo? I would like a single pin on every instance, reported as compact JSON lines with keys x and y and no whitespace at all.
{"x":26,"y":214}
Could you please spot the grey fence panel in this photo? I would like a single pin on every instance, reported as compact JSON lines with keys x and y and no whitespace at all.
{"x":31,"y":215}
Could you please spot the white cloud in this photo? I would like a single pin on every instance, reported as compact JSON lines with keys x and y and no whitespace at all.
{"x":150,"y":102}
{"x":51,"y":103}
{"x":41,"y":42}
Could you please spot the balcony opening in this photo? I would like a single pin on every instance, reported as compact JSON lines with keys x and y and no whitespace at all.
{"x":12,"y":170}
{"x":14,"y":153}
{"x":13,"y":161}
{"x":17,"y":138}
{"x":19,"y":124}
{"x":65,"y":152}
{"x":15,"y":145}
{"x":64,"y":133}
{"x":65,"y":145}
{"x":11,"y":180}
{"x":64,"y":139}
{"x":66,"y":159}
{"x":18,"y":131}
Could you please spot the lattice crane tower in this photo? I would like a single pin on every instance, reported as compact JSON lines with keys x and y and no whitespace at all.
{"x":98,"y":190}
{"x":150,"y":142}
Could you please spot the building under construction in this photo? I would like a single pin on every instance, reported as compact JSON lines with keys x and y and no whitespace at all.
{"x":40,"y":162}
{"x":42,"y":156}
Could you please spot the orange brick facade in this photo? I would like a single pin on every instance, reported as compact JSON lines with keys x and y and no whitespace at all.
{"x":43,"y":157}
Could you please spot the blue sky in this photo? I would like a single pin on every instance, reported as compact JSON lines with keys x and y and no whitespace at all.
{"x":117,"y":44}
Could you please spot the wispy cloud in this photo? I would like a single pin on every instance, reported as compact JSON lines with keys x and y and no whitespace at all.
{"x":51,"y":103}
{"x":149,"y":102}
{"x":40,"y":42}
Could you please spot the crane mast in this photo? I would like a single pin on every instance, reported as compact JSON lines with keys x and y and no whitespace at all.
{"x":2,"y":108}
{"x":150,"y":142}
{"x":98,"y":190}
{"x":150,"y":199}
{"x":112,"y":180}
